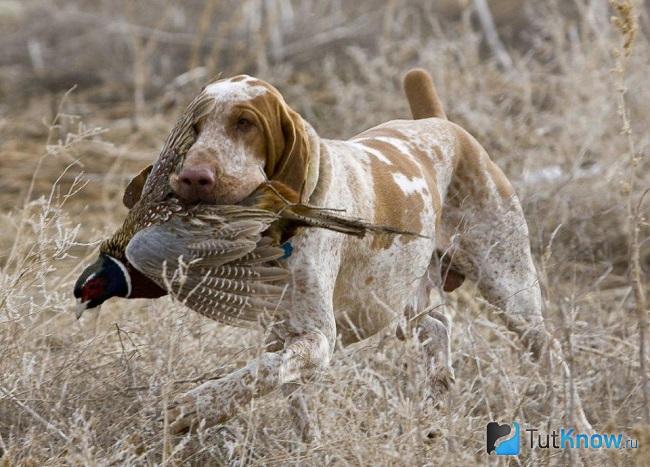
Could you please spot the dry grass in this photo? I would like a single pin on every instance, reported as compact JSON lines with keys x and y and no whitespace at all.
{"x":91,"y":392}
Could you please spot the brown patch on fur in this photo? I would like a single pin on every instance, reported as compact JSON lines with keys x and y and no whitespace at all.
{"x":392,"y":206}
{"x":429,"y":173}
{"x":468,"y":180}
{"x":238,"y":78}
{"x":264,"y":84}
{"x":401,"y":163}
{"x":474,"y":173}
{"x":287,"y":141}
{"x":427,"y":170}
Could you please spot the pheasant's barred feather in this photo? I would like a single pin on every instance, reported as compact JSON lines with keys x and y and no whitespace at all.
{"x":264,"y":252}
{"x":240,"y":287}
{"x":219,"y":251}
{"x":220,"y":312}
{"x":245,"y":272}
{"x":225,"y":278}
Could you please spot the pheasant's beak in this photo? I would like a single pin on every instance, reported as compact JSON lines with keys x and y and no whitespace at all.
{"x":80,"y":307}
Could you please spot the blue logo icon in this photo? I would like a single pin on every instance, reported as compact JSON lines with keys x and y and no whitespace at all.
{"x":506,"y":447}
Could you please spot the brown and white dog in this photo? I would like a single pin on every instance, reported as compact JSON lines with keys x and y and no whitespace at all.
{"x":426,"y":175}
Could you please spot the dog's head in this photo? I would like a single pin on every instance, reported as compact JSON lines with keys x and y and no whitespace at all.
{"x":250,"y":135}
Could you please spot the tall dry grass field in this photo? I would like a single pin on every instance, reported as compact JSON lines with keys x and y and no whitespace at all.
{"x":561,"y":101}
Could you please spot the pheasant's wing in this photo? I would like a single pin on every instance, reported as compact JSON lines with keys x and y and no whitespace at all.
{"x":213,"y":261}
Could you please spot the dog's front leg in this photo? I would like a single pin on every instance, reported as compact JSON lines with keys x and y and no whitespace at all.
{"x":217,"y":401}
{"x":307,"y":330}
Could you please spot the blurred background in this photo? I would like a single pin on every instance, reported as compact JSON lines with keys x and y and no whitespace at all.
{"x":535,"y":86}
{"x":556,"y":92}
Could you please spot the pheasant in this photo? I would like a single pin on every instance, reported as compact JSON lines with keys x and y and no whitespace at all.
{"x":217,"y":260}
{"x":215,"y":256}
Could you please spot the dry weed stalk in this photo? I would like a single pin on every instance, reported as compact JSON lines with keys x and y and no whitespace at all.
{"x":491,"y":35}
{"x":143,"y":51}
{"x":626,"y":23}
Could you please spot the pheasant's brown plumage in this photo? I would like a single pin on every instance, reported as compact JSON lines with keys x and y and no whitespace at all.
{"x":150,"y":208}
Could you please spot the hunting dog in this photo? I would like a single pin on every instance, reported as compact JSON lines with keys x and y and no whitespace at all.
{"x":426,"y":175}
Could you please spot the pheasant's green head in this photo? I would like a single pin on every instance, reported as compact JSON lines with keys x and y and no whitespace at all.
{"x":111,"y":277}
{"x":105,"y":278}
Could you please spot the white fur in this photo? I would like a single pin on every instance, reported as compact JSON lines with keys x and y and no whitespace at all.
{"x":408,"y":186}
{"x":370,"y":151}
{"x":228,"y":90}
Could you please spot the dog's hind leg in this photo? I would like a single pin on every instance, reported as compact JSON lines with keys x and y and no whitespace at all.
{"x":486,"y":237}
{"x":492,"y":248}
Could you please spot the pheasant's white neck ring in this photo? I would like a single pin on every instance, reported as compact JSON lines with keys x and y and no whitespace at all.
{"x":125,"y":273}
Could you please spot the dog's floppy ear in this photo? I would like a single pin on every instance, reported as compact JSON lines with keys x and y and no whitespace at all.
{"x":291,"y":168}
{"x":134,"y":188}
{"x":292,"y":148}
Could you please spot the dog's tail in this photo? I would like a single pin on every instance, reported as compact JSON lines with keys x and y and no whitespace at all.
{"x":422,"y":96}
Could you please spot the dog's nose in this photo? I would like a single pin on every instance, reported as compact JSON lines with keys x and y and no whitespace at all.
{"x":195,"y":184}
{"x":197,"y":177}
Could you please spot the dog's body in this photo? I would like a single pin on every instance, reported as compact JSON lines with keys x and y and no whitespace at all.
{"x":405,"y":174}
{"x":427,"y":176}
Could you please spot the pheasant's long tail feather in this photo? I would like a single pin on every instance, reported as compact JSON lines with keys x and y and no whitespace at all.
{"x":327,"y":219}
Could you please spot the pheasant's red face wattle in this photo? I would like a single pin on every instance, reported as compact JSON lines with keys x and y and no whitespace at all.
{"x":93,"y":289}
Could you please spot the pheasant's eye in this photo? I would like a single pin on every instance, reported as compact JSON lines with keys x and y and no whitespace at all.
{"x":243,"y":124}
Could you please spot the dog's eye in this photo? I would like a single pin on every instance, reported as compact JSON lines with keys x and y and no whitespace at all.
{"x":244,"y":124}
